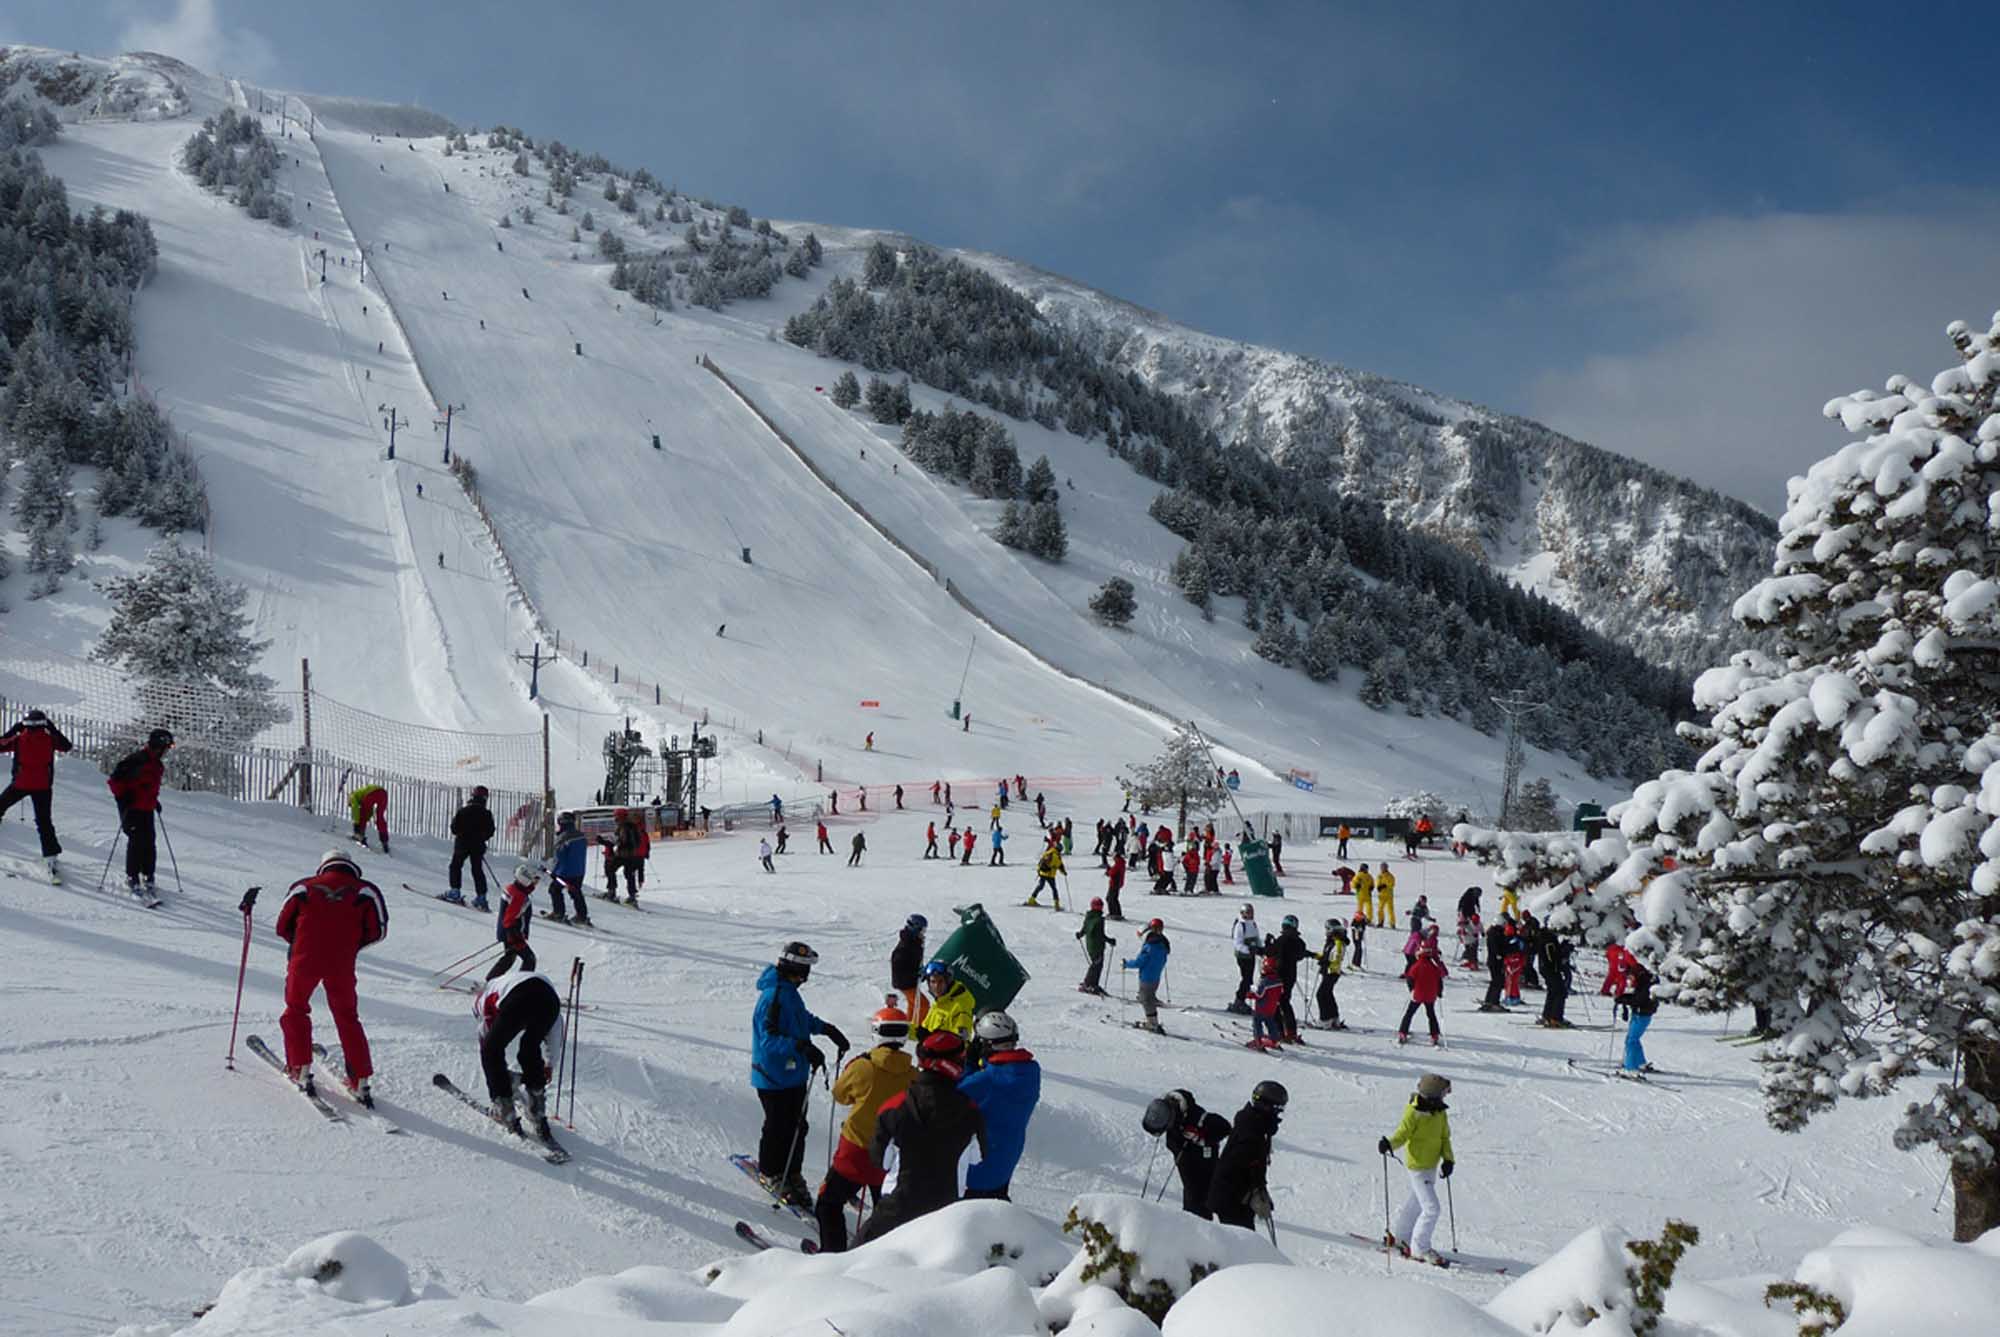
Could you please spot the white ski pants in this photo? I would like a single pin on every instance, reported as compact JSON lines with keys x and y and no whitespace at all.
{"x":1417,"y":1221}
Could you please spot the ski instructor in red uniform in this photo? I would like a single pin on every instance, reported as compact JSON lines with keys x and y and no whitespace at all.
{"x":327,"y":919}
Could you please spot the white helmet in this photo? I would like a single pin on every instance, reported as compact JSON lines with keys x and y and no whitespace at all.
{"x":527,"y":874}
{"x":339,"y":859}
{"x":996,"y":1029}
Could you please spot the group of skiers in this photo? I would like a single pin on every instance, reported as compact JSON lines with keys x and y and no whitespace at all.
{"x":135,"y":782}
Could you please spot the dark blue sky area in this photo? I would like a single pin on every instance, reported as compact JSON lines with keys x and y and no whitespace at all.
{"x":1672,"y":229}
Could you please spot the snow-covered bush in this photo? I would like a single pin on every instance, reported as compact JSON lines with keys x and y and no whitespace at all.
{"x":1182,"y":778}
{"x":1148,"y":1254}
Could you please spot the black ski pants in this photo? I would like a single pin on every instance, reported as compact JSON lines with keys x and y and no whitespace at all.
{"x":1496,"y":979}
{"x":1093,"y":976}
{"x":45,"y":826}
{"x":1197,"y":1173}
{"x":557,"y":886}
{"x":1555,"y":998}
{"x":460,"y":854}
{"x":528,"y":1013}
{"x":781,"y":1148}
{"x":517,"y":950}
{"x":836,"y":1194}
{"x":1288,"y":1020}
{"x":140,"y":851}
{"x":1409,"y":1015}
{"x":1329,"y":1007}
{"x":1244,"y":965}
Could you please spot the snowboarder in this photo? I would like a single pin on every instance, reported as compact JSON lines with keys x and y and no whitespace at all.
{"x":1239,"y":1193}
{"x":1194,"y":1138}
{"x":856,"y":848}
{"x":1425,"y":976}
{"x":1247,"y":941}
{"x":471,"y":828}
{"x":930,"y":841}
{"x":572,"y":865}
{"x":1092,"y":936}
{"x":517,"y":914}
{"x":944,"y":1004}
{"x":519,"y":1005}
{"x":1005,"y":1086}
{"x":998,"y":859}
{"x":34,"y":740}
{"x":782,"y":1060}
{"x":326,"y":921}
{"x":1114,"y":882}
{"x":1385,"y":896}
{"x":135,"y":787}
{"x":1151,"y":963}
{"x":366,"y":802}
{"x":870,"y":1080}
{"x":1046,"y":868}
{"x":921,"y":1136}
{"x":905,"y":960}
{"x":1424,"y":1134}
{"x":1266,"y":1031}
{"x":1288,"y":949}
{"x":825,"y":845}
{"x":1331,"y":957}
{"x":1639,"y":1001}
{"x":764,"y":854}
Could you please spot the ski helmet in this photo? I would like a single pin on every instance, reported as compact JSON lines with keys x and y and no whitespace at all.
{"x":1289,"y":921}
{"x":936,"y":968}
{"x":527,"y":874}
{"x":1248,"y":911}
{"x":891,"y":1025}
{"x":1160,"y":1115}
{"x":480,"y":792}
{"x":160,"y":738}
{"x":997,"y":1029}
{"x":1433,"y":1086}
{"x":1270,"y":965}
{"x":942,"y":1051}
{"x":798,"y":956}
{"x":36,"y":716}
{"x":1275,"y":1095}
{"x":565,"y":819}
{"x":916,"y":923}
{"x":339,"y":859}
{"x":1097,"y":902}
{"x":1156,"y":923}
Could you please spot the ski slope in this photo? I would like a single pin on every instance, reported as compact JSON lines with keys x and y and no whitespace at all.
{"x":141,"y":1174}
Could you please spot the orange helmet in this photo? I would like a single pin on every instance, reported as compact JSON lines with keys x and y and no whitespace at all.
{"x":891,"y":1024}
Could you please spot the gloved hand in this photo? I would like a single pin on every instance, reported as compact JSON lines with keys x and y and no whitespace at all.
{"x":1445,"y":1169}
{"x":1383,"y":1146}
{"x":839,"y":1040}
{"x":814,"y":1059}
{"x":1259,"y":1203}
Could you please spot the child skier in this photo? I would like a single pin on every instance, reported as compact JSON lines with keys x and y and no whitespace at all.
{"x":1331,"y":956}
{"x":1093,"y":938}
{"x":1240,"y":1192}
{"x":517,"y":915}
{"x":1265,"y":1029}
{"x":1424,"y":1134}
{"x":1426,"y":980}
{"x":1359,"y":935}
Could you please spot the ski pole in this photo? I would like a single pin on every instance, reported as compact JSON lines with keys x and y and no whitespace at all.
{"x":575,"y":1056}
{"x":831,"y":1108}
{"x":249,"y":899}
{"x":1146,"y":1185}
{"x":1271,"y":1225}
{"x":1388,"y":1235}
{"x":1451,"y":1204}
{"x":569,"y":1014}
{"x":101,"y":877}
{"x":491,"y":948}
{"x":172,"y":862}
{"x":463,"y":959}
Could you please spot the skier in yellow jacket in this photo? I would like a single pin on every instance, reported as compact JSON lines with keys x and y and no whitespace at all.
{"x":1046,"y":869}
{"x":1385,"y":897}
{"x":864,"y":1084}
{"x":1364,"y":894}
{"x":366,"y":802}
{"x":943,"y":1004}
{"x":1424,"y":1134}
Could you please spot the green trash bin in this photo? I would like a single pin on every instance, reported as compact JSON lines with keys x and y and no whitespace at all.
{"x":1257,"y":867}
{"x":978,"y":956}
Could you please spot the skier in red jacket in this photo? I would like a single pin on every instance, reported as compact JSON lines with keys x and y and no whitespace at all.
{"x":135,"y":786}
{"x":327,"y":919}
{"x":517,"y":914}
{"x":34,"y":740}
{"x":1425,"y":977}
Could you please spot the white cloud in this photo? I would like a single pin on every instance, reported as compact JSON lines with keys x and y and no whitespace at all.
{"x":1751,"y":323}
{"x":196,"y":33}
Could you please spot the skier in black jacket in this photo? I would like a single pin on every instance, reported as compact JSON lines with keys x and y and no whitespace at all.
{"x":1194,"y":1137}
{"x":1240,"y":1192}
{"x":920,"y":1137}
{"x":1288,"y":949}
{"x":471,"y":828}
{"x":906,"y":961}
{"x":1555,"y":952}
{"x":1497,"y":944}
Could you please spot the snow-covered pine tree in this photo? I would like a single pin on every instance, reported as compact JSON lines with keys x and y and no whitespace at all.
{"x":846,"y":390}
{"x":1536,"y":807}
{"x":1839,"y":840}
{"x":1114,"y":604}
{"x":1320,"y":656}
{"x":1375,"y":686}
{"x":1041,"y":481}
{"x":1423,"y":803}
{"x":1181,"y":777}
{"x":879,"y":269}
{"x":1277,"y":642}
{"x":1047,"y":537}
{"x":1013,"y":528}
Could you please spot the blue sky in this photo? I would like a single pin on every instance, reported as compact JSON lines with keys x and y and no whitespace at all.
{"x":1673,"y":230}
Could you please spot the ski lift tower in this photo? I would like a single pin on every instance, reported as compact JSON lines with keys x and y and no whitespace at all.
{"x":682,"y":790}
{"x":1517,"y":707}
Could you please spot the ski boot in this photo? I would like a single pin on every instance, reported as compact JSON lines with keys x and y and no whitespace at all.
{"x":453,"y":897}
{"x":1437,"y":1042}
{"x":385,"y":846}
{"x":1402,"y":1037}
{"x":134,"y":890}
{"x":556,"y":916}
{"x":632,"y":899}
{"x":302,"y":1077}
{"x":796,"y":1193}
{"x":152,"y":888}
{"x":55,"y":870}
{"x":538,"y":1116}
{"x":611,"y":895}
{"x":479,"y":903}
{"x":361,"y":1090}
{"x":1433,"y":1257}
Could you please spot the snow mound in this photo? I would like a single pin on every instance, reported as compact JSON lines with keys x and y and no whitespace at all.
{"x":1895,"y":1286}
{"x":1147,"y":1253}
{"x":994,"y":1301}
{"x":644,"y":1294}
{"x":1300,"y":1302}
{"x":1584,"y":1278}
{"x":334,"y":1277}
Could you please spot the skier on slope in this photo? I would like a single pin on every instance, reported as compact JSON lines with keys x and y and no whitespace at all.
{"x":1278,"y":853}
{"x":365,"y":802}
{"x":517,"y":915}
{"x":34,"y":740}
{"x":1246,"y":941}
{"x":1190,"y":867}
{"x":1497,"y":941}
{"x":783,"y":836}
{"x":1194,"y":1137}
{"x":1005,"y":1086}
{"x":519,"y":1005}
{"x":1425,"y":977}
{"x":782,"y":1061}
{"x":965,"y":845}
{"x":870,"y":1080}
{"x":1114,"y":883}
{"x":1046,"y":868}
{"x":1469,"y":929}
{"x":825,"y":845}
{"x":764,"y":854}
{"x":1094,"y":941}
{"x":1331,"y":958}
{"x":1424,"y":1134}
{"x":998,"y":859}
{"x":471,"y":829}
{"x":628,"y":854}
{"x":922,"y":1135}
{"x":326,"y":921}
{"x":1557,"y":975}
{"x":1288,"y":948}
{"x":1639,"y":1001}
{"x":1240,"y":1191}
{"x":930,"y":840}
{"x":135,"y":788}
{"x":944,"y":1003}
{"x":1364,"y":894}
{"x":1358,"y":936}
{"x":857,"y":847}
{"x":1266,"y":998}
{"x":906,"y":961}
{"x":951,"y":843}
{"x":1151,"y":963}
{"x":572,"y":865}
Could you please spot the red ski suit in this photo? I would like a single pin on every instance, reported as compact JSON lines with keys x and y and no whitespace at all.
{"x":328,"y":918}
{"x":34,"y":752}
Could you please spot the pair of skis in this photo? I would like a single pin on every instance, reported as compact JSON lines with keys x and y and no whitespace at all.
{"x":1498,"y":1267}
{"x":756,"y":1238}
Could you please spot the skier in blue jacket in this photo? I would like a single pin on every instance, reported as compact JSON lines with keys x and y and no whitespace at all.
{"x":1151,"y":963}
{"x":782,"y":1060}
{"x":571,"y":866}
{"x":999,"y":857}
{"x":1006,"y":1087}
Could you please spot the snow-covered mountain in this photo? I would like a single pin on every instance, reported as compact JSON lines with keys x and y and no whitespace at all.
{"x":1643,"y":556}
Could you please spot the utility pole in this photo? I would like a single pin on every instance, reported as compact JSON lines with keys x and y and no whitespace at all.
{"x":445,"y":422}
{"x":392,"y":422}
{"x":322,"y":264}
{"x":534,"y":663}
{"x":1516,"y":706}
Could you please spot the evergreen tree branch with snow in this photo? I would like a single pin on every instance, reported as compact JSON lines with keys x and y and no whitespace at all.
{"x":1181,"y":777}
